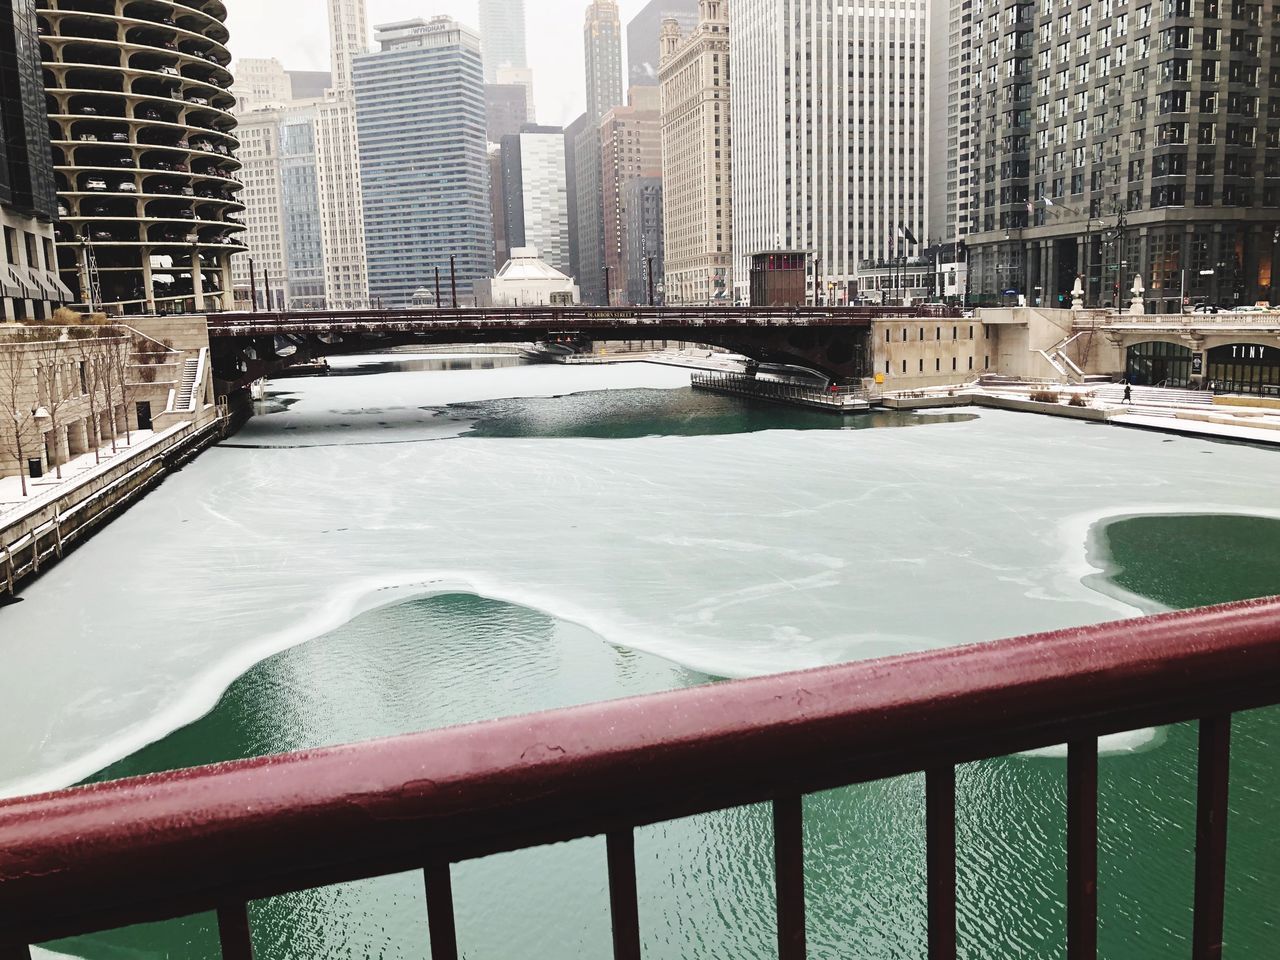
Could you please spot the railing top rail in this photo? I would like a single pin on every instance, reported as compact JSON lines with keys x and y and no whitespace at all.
{"x":186,"y":841}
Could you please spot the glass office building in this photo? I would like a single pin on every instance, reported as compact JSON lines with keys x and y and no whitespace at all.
{"x":420,"y":115}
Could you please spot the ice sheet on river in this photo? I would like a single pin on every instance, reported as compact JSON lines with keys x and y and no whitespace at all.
{"x":734,"y":555}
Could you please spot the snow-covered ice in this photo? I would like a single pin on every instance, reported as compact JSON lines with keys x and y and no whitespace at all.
{"x":735,"y":554}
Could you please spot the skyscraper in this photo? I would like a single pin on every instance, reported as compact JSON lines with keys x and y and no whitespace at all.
{"x":1118,"y":140}
{"x":423,"y":168}
{"x":643,"y":52}
{"x":338,"y":161}
{"x":348,"y":38}
{"x":571,"y":135}
{"x":28,"y":204}
{"x":949,"y":104}
{"x":536,"y":202}
{"x":630,"y":149}
{"x":603,"y":43}
{"x":143,"y":187}
{"x":262,"y":272}
{"x":502,"y":36}
{"x":505,"y":110}
{"x":830,"y":133}
{"x":642,"y":240}
{"x":260,"y":84}
{"x":696,"y":148}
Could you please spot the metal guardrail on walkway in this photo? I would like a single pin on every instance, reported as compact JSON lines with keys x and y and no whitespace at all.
{"x":835,"y":396}
{"x":214,"y":838}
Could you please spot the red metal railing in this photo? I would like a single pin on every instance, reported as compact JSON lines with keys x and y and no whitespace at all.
{"x":214,"y":838}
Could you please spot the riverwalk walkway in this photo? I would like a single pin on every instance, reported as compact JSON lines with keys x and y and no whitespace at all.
{"x":78,"y":470}
{"x":1188,"y":413}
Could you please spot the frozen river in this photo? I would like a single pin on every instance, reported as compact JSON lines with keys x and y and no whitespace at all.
{"x":467,"y":543}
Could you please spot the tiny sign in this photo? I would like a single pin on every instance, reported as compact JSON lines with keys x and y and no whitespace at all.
{"x":879,"y":378}
{"x":1197,"y":364}
{"x":1010,"y":293}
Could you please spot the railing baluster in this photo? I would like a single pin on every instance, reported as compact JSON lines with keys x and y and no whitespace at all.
{"x":1211,"y":836}
{"x":621,"y":849}
{"x":788,"y":866}
{"x":233,"y":932}
{"x":940,"y":860}
{"x":1082,"y":849}
{"x":444,"y":935}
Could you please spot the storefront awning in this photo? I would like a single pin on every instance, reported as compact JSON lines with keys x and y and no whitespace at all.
{"x":11,"y":284}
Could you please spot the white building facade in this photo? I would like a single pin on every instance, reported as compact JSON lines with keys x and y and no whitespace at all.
{"x":261,"y":270}
{"x":830,"y":118}
{"x":696,"y":168}
{"x":259,"y":84}
{"x":526,"y":280}
{"x":536,"y":193}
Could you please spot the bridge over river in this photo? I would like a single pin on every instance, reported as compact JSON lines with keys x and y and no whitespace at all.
{"x":832,"y":340}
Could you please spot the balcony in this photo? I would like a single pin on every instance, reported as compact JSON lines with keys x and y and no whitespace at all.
{"x":213,"y":838}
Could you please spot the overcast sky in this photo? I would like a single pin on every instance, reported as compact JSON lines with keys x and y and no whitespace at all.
{"x":296,"y":33}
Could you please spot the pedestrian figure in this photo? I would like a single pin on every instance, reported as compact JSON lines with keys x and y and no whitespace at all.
{"x":1128,"y":395}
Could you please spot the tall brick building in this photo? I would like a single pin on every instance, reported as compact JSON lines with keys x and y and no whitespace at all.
{"x":1115,"y":138}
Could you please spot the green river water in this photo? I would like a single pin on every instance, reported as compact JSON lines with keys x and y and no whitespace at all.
{"x":705,"y":883}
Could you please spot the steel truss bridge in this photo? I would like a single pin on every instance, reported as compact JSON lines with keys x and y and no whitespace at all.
{"x":832,"y":340}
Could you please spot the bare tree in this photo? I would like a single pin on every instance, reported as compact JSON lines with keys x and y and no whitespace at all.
{"x":91,"y":350}
{"x":16,"y":380}
{"x":118,"y":373}
{"x":105,"y":350}
{"x":53,"y":382}
{"x":98,"y":371}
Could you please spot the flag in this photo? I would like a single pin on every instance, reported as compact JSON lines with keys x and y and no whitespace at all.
{"x":906,"y":234}
{"x":1048,"y":202}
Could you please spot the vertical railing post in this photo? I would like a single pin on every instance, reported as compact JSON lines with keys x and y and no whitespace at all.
{"x":1082,"y":849}
{"x":440,"y":922}
{"x":623,"y":902}
{"x":940,"y":860}
{"x":788,"y":866}
{"x":1211,"y":836}
{"x":233,"y":932}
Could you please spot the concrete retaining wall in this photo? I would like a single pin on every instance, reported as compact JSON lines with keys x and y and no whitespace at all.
{"x":925,"y":403}
{"x":37,"y":538}
{"x":1052,"y":409}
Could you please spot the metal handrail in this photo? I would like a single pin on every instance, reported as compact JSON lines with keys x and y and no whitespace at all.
{"x":177,"y":843}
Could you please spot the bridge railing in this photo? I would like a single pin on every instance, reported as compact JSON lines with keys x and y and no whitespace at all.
{"x":211,"y":839}
{"x":833,"y":395}
{"x":577,"y":316}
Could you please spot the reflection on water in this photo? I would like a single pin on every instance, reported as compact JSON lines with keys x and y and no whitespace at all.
{"x":629,"y":414}
{"x":390,"y":363}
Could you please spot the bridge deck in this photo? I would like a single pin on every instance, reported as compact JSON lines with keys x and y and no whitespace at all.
{"x":576,"y":319}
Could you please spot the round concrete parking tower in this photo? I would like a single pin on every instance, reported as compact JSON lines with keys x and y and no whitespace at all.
{"x":144,"y":152}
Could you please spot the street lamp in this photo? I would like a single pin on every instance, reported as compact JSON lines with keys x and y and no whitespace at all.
{"x":1275,"y":239}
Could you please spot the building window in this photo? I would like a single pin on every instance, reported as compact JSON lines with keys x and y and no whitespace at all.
{"x":986,"y":363}
{"x":953,"y":363}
